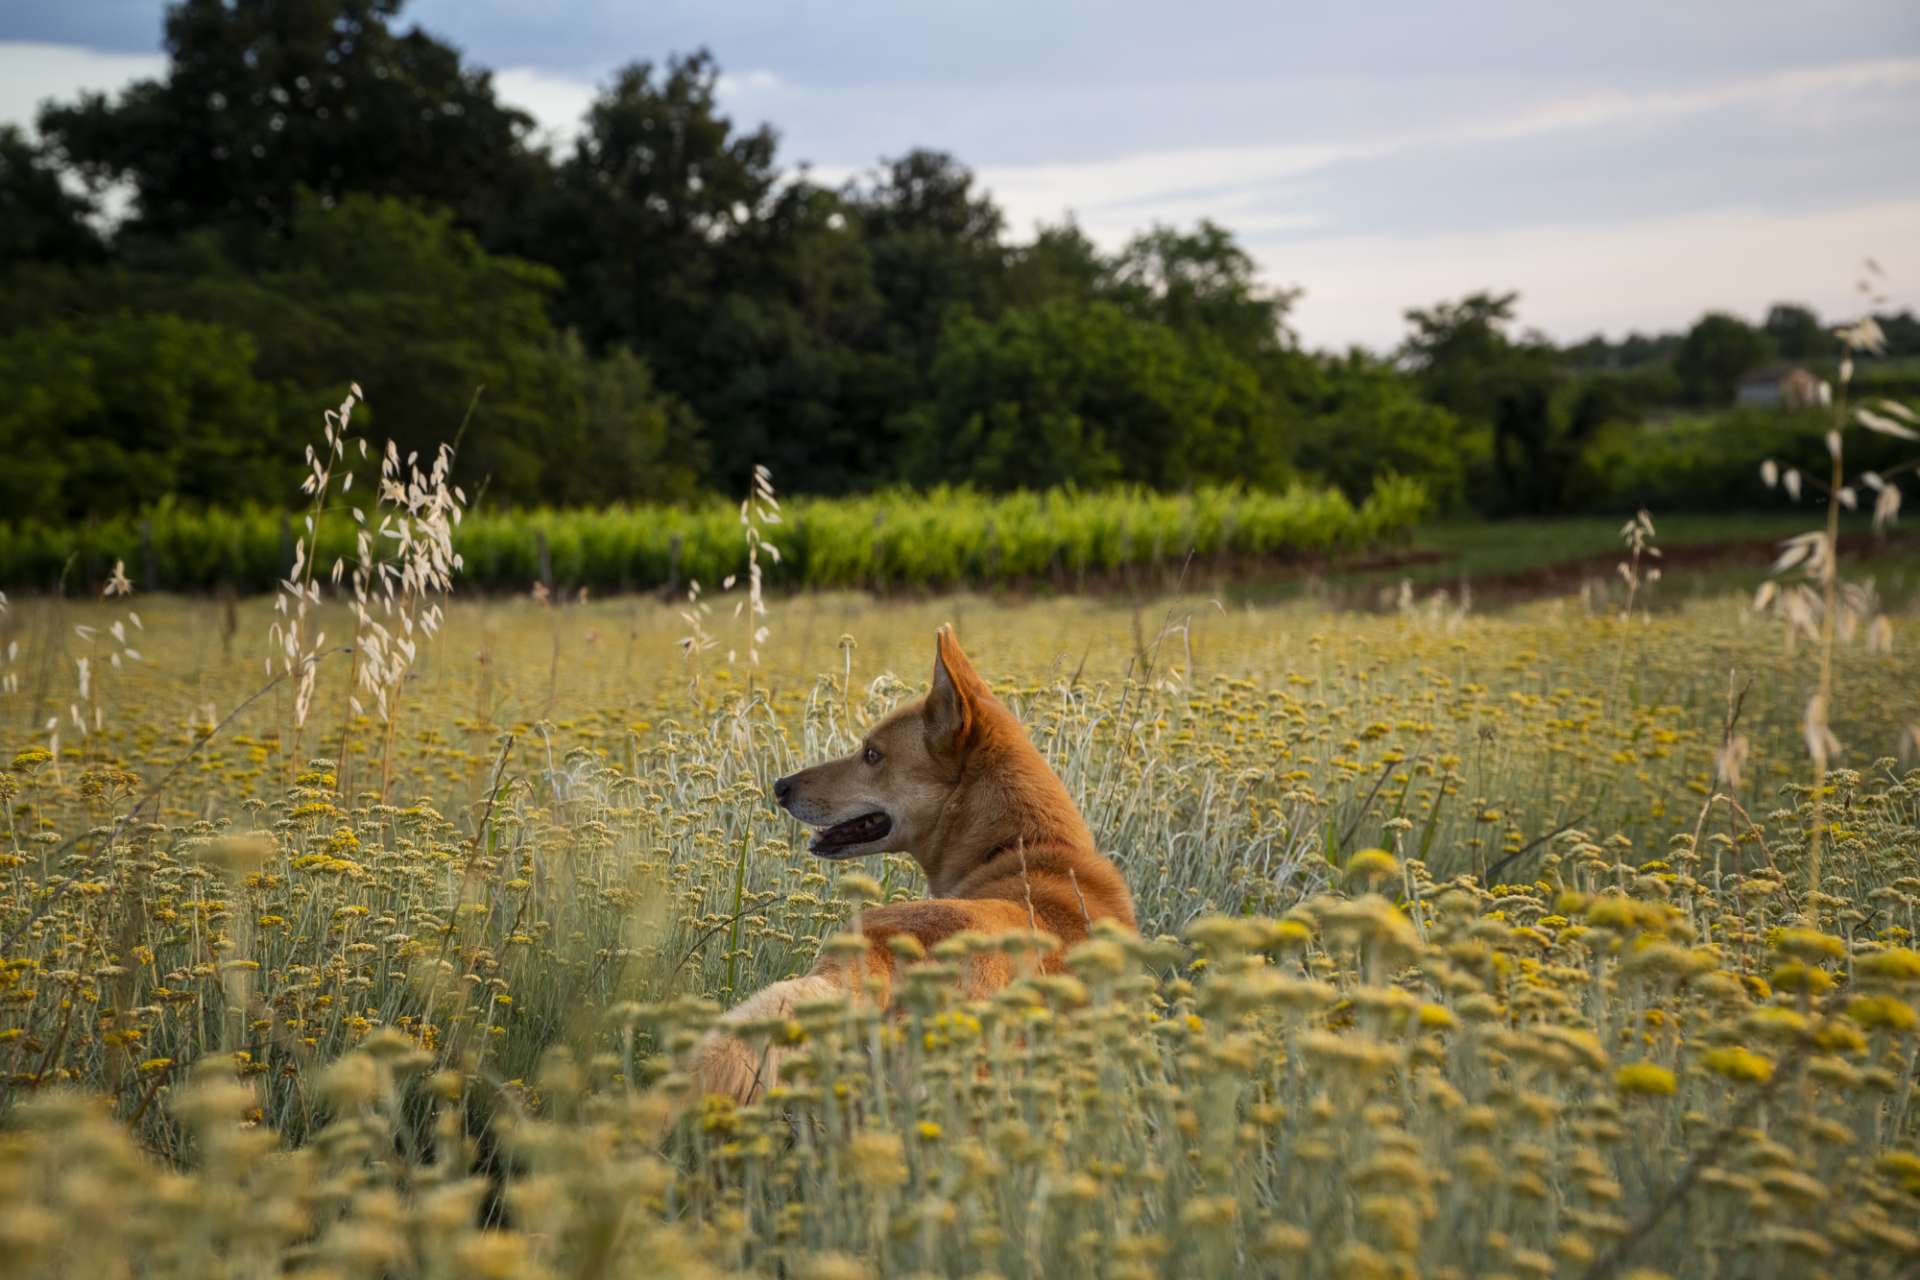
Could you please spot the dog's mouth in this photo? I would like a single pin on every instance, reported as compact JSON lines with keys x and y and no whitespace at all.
{"x":842,"y":838}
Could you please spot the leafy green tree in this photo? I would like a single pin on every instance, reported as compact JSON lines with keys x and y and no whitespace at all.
{"x":1059,"y":264}
{"x":749,"y":297}
{"x":1633,"y":352}
{"x":791,"y":369}
{"x":640,"y":444}
{"x":41,"y":220}
{"x":1796,"y":332}
{"x":1638,"y":349}
{"x":581,"y":430}
{"x":1902,"y":330}
{"x":1717,"y":352}
{"x":116,"y":413}
{"x":1599,"y":399}
{"x":934,"y":243}
{"x":1202,"y":281}
{"x":265,"y":99}
{"x":659,"y":186}
{"x":403,"y":301}
{"x":1367,"y":421}
{"x":1085,"y":394}
{"x":1464,"y":361}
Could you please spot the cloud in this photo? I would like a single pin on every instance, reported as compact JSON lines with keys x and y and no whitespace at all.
{"x":1237,"y":185}
{"x":31,"y":73}
{"x":556,"y":102}
{"x":1111,"y":199}
{"x":746,"y":83}
{"x":1775,"y":92}
{"x":1576,"y":280}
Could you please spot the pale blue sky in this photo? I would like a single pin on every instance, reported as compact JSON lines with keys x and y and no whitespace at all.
{"x":1621,"y":164}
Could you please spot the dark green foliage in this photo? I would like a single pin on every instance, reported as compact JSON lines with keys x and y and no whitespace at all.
{"x":368,"y":290}
{"x":322,"y":195}
{"x":1902,"y":330}
{"x":1085,"y":394}
{"x":266,"y":99}
{"x":1711,"y":462}
{"x":1718,"y":351}
{"x":1797,"y":334}
{"x":934,"y":244}
{"x":1464,"y":361}
{"x":1626,"y":395}
{"x":40,"y":219}
{"x":1203,"y":282}
{"x":110,"y":414}
{"x":1368,"y":420}
{"x":643,"y":218}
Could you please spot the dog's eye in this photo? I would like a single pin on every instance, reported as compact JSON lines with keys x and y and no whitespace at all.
{"x":872,"y":756}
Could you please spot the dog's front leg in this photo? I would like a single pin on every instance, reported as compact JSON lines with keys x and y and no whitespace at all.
{"x":725,"y":1064}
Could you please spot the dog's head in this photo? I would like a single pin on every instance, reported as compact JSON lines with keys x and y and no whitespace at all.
{"x":890,"y":792}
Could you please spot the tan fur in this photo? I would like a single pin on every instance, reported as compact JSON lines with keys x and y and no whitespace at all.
{"x":971,"y":798}
{"x":722,"y":1062}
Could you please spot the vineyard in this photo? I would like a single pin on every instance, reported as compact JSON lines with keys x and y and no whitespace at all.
{"x":940,"y":539}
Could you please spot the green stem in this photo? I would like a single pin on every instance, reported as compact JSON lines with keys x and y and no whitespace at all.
{"x":739,"y":893}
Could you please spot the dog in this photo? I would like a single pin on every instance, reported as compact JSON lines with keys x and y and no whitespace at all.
{"x":953,"y":780}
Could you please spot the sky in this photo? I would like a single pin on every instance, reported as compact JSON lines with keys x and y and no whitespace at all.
{"x":1623,"y":165}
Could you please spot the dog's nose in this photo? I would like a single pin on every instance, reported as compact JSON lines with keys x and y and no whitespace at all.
{"x":782,"y":788}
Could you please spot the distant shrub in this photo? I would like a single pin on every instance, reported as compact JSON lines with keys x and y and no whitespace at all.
{"x":1708,"y":462}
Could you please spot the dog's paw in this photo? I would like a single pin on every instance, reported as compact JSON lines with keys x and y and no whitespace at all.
{"x":725,"y":1065}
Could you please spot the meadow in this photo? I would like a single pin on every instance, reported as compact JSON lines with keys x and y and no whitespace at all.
{"x":1471,"y":944}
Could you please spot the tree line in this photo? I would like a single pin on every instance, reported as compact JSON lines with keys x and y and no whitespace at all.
{"x":313,"y":192}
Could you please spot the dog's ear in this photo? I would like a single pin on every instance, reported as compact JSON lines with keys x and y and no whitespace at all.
{"x":953,"y":701}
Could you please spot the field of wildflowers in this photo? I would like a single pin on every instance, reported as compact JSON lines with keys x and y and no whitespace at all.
{"x":1471,"y":945}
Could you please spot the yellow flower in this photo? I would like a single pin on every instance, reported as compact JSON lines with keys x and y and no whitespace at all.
{"x":1644,"y":1078}
{"x":1282,"y":1240}
{"x":1372,"y":866}
{"x":1807,"y":944}
{"x":1895,"y":964}
{"x":1837,"y":1036}
{"x":1289,"y":935}
{"x":1903,"y":1167}
{"x":1795,"y":976}
{"x":877,"y":1160}
{"x":1776,"y":1023}
{"x":27,"y":759}
{"x":1882,"y":1011}
{"x":1738,"y":1063}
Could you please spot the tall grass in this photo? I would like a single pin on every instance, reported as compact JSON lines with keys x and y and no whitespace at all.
{"x":1444,"y":965}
